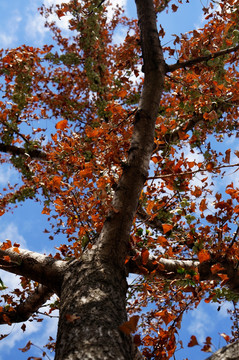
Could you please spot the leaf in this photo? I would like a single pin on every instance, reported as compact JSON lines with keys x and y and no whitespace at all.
{"x":203,"y":205}
{"x":130,"y":326}
{"x":27,"y":347}
{"x":167,"y":228}
{"x":144,"y":256}
{"x":227,"y":157}
{"x":174,"y":8}
{"x":203,"y":255}
{"x":137,"y":340}
{"x":23,"y":327}
{"x":7,"y":258}
{"x":226,"y":337}
{"x":193,"y":341}
{"x":61,"y":125}
{"x":210,"y":166}
{"x":216,"y":268}
{"x":72,"y":317}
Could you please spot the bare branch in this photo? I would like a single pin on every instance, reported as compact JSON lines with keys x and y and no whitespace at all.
{"x":14,"y":150}
{"x":189,"y":63}
{"x":26,"y":309}
{"x":35,"y":266}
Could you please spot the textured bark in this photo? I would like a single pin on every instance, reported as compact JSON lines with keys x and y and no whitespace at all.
{"x":26,"y":309}
{"x":229,"y":352}
{"x":35,"y":266}
{"x":17,"y":151}
{"x":93,"y":306}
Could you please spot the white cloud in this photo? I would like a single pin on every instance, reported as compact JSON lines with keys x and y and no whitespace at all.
{"x":7,"y":172}
{"x":11,"y":232}
{"x":201,"y":324}
{"x":9,"y":31}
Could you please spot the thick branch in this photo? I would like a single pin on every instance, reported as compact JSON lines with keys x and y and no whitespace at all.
{"x":189,"y":63}
{"x":14,"y":150}
{"x":228,"y":352}
{"x":115,"y":233}
{"x":169,"y":269}
{"x":164,"y":268}
{"x":35,"y":266}
{"x":26,"y":309}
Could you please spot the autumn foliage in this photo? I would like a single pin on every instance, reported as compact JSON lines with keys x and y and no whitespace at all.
{"x":67,"y":113}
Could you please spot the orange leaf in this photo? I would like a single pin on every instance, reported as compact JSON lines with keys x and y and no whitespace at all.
{"x":6,"y":245}
{"x":203,"y":255}
{"x":167,"y":228}
{"x":144,"y":256}
{"x":203,"y":205}
{"x":7,"y":258}
{"x":210,"y":166}
{"x":130,"y":326}
{"x":193,"y":341}
{"x":16,"y":250}
{"x":61,"y":125}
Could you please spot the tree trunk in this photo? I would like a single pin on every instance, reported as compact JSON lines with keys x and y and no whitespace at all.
{"x":93,"y":306}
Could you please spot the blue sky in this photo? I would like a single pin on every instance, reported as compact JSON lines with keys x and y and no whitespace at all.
{"x":20,"y":23}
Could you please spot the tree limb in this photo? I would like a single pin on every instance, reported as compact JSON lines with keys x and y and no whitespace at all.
{"x":228,"y":352}
{"x":25,"y":310}
{"x":189,"y":63}
{"x":169,"y":269}
{"x":15,"y":150}
{"x":35,"y":266}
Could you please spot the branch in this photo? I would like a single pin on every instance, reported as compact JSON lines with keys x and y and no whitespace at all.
{"x":193,"y":172}
{"x":115,"y":232}
{"x":35,"y":266}
{"x":164,"y":268}
{"x":169,"y":269}
{"x":147,"y":219}
{"x":229,"y":352}
{"x":14,"y":150}
{"x":25,"y":310}
{"x":189,"y":63}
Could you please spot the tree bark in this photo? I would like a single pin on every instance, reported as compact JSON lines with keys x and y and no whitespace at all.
{"x":229,"y":352}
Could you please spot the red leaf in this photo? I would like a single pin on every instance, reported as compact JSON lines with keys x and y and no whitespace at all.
{"x":130,"y":326}
{"x":193,"y":341}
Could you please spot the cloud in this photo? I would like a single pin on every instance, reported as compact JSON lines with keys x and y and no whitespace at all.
{"x":7,"y":172}
{"x":9,"y":29}
{"x":201,"y":324}
{"x":11,"y":232}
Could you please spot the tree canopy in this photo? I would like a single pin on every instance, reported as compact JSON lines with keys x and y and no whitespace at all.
{"x":127,"y":147}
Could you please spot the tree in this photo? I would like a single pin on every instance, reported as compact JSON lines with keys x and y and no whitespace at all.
{"x":115,"y":173}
